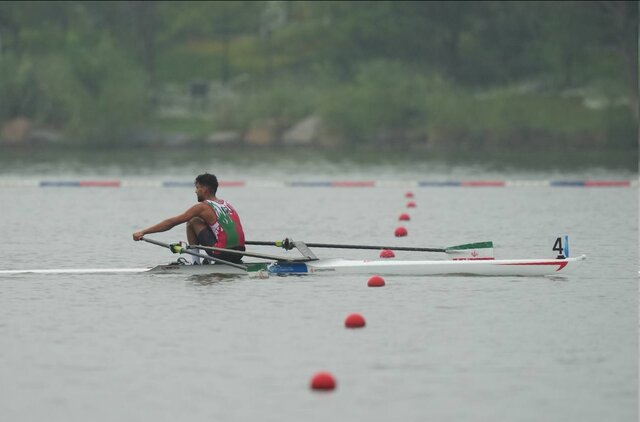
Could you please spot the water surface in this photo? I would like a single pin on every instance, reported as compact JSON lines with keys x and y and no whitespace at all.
{"x":107,"y":347}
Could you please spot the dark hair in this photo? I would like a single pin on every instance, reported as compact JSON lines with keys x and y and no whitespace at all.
{"x":208,"y":180}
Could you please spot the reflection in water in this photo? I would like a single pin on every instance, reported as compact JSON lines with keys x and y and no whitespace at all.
{"x":211,"y":279}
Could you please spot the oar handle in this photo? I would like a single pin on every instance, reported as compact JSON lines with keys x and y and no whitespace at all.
{"x":218,"y":260}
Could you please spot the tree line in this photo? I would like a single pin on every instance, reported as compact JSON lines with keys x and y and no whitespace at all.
{"x":476,"y":71}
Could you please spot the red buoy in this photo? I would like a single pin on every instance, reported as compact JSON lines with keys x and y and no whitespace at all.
{"x":323,"y":381}
{"x":404,"y":217}
{"x":411,"y":204}
{"x":354,"y":321}
{"x":387,"y":253}
{"x":408,"y":195}
{"x":401,"y":232}
{"x":375,"y":281}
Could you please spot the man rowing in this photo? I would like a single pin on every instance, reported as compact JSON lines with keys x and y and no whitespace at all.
{"x":210,"y":222}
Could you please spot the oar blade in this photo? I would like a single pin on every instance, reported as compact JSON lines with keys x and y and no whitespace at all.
{"x":476,"y":250}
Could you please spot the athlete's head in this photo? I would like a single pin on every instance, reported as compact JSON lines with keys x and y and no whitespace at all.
{"x":206,"y":182}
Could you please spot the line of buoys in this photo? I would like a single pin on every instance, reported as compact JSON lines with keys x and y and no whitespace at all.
{"x":325,"y":381}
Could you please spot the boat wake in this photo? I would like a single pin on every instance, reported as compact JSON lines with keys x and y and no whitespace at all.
{"x":76,"y":271}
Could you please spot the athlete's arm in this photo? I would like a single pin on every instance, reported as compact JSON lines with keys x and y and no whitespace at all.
{"x":169,"y":223}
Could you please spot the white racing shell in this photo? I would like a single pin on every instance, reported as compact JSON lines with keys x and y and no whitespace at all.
{"x":483,"y":267}
{"x":472,"y":267}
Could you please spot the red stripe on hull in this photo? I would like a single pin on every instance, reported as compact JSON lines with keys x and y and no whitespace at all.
{"x":561,"y":264}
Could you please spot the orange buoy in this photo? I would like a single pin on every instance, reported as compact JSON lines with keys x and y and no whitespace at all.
{"x":401,"y":232}
{"x":387,"y":253}
{"x":411,"y":204}
{"x":323,"y":381}
{"x":408,"y":195}
{"x":354,"y":321}
{"x":404,"y":217}
{"x":375,"y":281}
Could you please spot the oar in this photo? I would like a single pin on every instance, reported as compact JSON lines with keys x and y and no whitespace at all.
{"x":289,"y":244}
{"x":246,"y":253}
{"x":182,"y":250}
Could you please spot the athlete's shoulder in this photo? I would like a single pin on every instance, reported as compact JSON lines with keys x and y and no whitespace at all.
{"x":200,"y":206}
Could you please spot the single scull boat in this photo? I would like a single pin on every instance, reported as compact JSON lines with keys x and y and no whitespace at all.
{"x":474,"y":259}
{"x":468,"y":259}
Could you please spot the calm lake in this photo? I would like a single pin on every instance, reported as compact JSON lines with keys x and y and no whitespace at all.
{"x":140,"y":347}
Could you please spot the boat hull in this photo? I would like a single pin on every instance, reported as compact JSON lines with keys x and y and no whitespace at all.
{"x":389,"y":267}
{"x":493,"y":267}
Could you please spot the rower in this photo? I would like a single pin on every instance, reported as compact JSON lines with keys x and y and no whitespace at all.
{"x":210,"y":222}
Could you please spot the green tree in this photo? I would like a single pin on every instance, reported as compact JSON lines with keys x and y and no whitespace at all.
{"x":220,"y":20}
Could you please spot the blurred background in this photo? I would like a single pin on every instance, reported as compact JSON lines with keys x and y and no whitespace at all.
{"x":426,"y":77}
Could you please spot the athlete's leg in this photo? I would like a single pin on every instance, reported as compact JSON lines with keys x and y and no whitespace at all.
{"x":199,"y":233}
{"x":196,"y":227}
